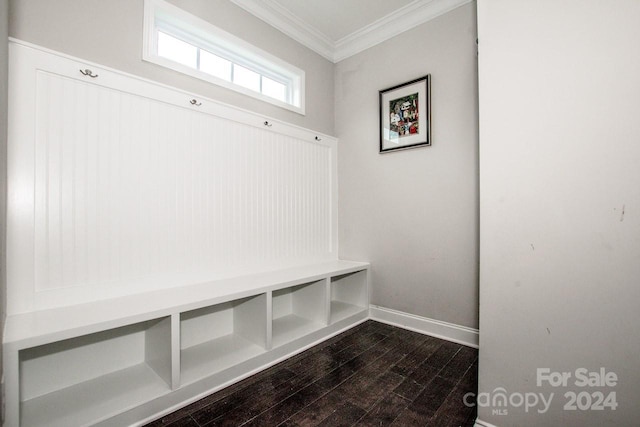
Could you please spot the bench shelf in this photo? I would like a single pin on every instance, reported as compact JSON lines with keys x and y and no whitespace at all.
{"x":69,"y":382}
{"x":217,"y":337}
{"x":349,"y":295}
{"x":298,"y":311}
{"x":127,"y":360}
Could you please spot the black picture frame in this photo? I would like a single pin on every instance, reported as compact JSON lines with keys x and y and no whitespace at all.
{"x":405,"y":115}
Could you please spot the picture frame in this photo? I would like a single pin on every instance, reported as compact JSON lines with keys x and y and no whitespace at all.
{"x":405,"y":115}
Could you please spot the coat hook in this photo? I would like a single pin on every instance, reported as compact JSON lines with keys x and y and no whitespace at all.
{"x":195,"y":102}
{"x":266,"y":123}
{"x":88,"y":72}
{"x":318,"y":138}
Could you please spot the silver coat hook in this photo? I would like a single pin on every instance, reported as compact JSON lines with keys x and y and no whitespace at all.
{"x":195,"y":102}
{"x":88,"y":72}
{"x":266,"y":123}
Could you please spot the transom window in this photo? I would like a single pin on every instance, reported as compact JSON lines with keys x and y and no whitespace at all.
{"x":183,"y":42}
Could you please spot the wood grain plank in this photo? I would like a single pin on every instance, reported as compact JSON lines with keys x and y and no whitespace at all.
{"x":373,"y":374}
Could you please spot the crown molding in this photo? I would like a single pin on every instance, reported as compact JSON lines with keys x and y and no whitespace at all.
{"x":403,"y":19}
{"x":279,"y":17}
{"x":410,"y":16}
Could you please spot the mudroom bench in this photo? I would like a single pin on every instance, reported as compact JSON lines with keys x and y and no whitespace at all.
{"x":130,"y":359}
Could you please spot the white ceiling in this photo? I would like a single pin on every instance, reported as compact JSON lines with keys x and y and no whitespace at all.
{"x":339,"y":18}
{"x":337,"y":29}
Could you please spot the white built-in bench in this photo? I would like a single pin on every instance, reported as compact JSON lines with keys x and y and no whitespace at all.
{"x":201,"y":189}
{"x":128,"y":360}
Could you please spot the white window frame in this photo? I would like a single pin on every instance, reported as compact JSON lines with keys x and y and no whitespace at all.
{"x":160,"y":15}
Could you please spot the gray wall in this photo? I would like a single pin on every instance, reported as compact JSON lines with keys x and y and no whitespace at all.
{"x":560,"y":205}
{"x":4,"y":29}
{"x":413,"y":214}
{"x":110,"y":33}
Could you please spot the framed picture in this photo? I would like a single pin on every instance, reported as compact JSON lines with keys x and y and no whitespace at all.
{"x":405,"y":115}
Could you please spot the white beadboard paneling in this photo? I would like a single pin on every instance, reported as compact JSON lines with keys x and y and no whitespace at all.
{"x":132,"y":188}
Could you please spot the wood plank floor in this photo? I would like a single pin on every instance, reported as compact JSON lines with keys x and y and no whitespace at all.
{"x":371,"y":375}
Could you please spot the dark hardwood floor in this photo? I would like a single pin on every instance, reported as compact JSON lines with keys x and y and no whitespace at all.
{"x":371,"y":375}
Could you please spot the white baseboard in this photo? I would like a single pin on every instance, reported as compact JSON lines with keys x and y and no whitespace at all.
{"x":436,"y":328}
{"x":480,"y":423}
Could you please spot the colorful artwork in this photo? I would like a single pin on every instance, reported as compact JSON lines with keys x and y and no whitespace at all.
{"x":404,"y":115}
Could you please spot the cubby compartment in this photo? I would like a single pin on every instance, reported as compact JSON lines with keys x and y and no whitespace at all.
{"x":80,"y":381}
{"x":298,"y":311}
{"x":348,"y":295}
{"x":218,"y":337}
